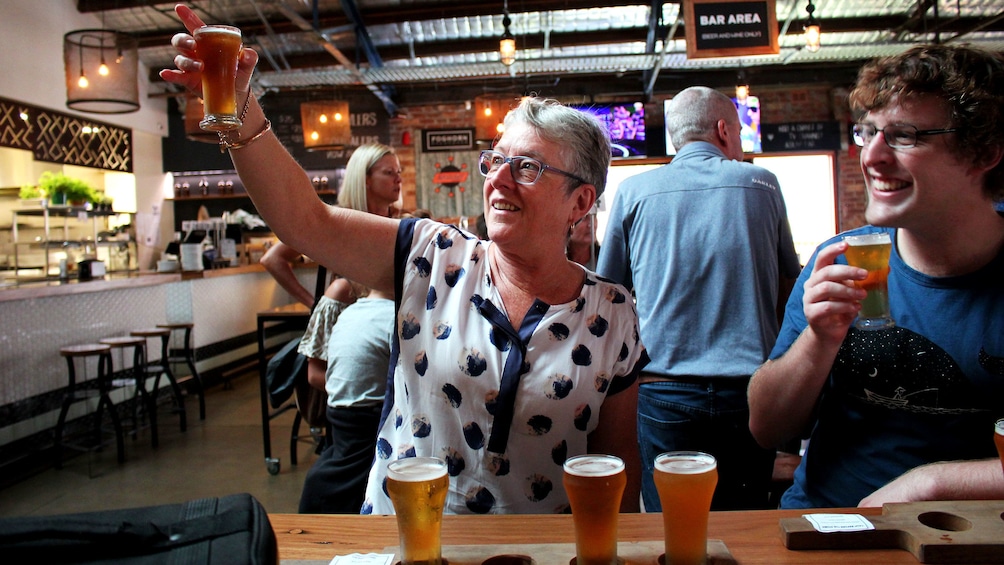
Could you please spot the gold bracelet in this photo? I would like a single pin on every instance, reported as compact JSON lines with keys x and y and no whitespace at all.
{"x":225,"y":143}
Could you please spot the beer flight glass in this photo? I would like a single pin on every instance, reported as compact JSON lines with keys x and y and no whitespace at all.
{"x":417,"y":487}
{"x":218,"y":47}
{"x":595,"y":485}
{"x":871,"y":252}
{"x":686,"y":482}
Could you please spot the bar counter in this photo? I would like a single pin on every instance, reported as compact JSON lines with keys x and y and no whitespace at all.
{"x":752,"y":537}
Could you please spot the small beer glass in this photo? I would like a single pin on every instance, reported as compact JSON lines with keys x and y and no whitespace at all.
{"x":871,"y":252}
{"x":417,"y":487}
{"x":218,"y":47}
{"x":595,"y":485}
{"x":686,"y":482}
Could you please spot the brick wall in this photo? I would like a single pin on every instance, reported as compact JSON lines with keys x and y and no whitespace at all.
{"x":788,"y":104}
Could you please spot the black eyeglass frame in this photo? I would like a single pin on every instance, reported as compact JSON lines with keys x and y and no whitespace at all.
{"x":512,"y":167}
{"x":860,"y":140}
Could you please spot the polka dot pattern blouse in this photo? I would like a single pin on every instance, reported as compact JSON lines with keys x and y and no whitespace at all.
{"x":503,"y":406}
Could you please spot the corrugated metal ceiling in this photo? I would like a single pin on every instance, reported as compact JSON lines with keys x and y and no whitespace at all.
{"x":433,"y":42}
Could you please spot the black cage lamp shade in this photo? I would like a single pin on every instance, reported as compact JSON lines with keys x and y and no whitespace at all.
{"x":101,"y":71}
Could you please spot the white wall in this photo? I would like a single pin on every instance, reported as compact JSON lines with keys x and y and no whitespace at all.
{"x":31,"y":71}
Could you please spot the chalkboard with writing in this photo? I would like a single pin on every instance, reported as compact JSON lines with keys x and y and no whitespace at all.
{"x":369,"y":121}
{"x":801,"y":136}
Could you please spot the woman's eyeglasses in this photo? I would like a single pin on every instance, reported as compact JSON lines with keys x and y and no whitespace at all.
{"x":525,"y":170}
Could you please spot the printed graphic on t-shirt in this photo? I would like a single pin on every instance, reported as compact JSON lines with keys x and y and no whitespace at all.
{"x":901,"y":370}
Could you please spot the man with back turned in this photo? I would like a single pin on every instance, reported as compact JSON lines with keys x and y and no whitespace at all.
{"x":704,"y":243}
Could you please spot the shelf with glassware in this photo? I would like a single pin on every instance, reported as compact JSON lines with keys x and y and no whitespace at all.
{"x":51,"y":241}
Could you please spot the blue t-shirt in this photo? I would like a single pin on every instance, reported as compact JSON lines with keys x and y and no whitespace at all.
{"x":924,"y":391}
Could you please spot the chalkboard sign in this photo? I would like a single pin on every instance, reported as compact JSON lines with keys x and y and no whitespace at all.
{"x":801,"y":136}
{"x":368,"y":118}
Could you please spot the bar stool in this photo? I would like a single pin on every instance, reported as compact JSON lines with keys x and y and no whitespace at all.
{"x":187,"y":356}
{"x":74,"y":393}
{"x":163,"y":367}
{"x":137,"y":380}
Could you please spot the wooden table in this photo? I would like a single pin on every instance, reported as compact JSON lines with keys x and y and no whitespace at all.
{"x":752,"y":537}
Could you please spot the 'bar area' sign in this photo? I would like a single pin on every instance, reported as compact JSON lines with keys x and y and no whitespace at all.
{"x":721,"y":28}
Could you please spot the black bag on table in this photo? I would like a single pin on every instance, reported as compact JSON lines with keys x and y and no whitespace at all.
{"x":229,"y":529}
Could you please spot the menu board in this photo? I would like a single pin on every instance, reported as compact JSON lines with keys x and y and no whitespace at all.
{"x":369,"y":121}
{"x":801,"y":136}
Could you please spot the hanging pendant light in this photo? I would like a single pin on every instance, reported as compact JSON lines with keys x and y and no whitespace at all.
{"x":326,"y":125}
{"x":812,"y":32}
{"x":507,"y":45}
{"x":92,"y":85}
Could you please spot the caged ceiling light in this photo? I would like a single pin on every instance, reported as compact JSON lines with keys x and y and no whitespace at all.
{"x":812,"y":32}
{"x":507,"y":45}
{"x":93,"y":85}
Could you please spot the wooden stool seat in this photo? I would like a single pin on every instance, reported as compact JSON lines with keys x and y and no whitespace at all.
{"x":163,"y":367}
{"x":76,"y":394}
{"x":138,"y":380}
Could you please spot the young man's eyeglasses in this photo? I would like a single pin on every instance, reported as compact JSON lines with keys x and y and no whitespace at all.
{"x":897,"y":136}
{"x":525,"y":170}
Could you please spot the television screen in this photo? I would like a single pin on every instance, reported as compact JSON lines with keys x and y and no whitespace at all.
{"x":626,"y":124}
{"x":749,"y":117}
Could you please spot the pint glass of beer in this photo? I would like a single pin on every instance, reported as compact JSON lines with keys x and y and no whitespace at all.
{"x":999,"y":439}
{"x":686,"y":482}
{"x":871,"y":252}
{"x":218,"y":47}
{"x":417,"y":487}
{"x":595,"y":484}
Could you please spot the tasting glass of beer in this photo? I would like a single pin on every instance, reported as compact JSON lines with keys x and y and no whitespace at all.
{"x":417,"y":487}
{"x":999,"y":439}
{"x":595,"y":485}
{"x":686,"y":482}
{"x":218,"y":47}
{"x":871,"y":252}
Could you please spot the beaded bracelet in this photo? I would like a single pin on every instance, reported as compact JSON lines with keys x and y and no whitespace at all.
{"x":224,"y":136}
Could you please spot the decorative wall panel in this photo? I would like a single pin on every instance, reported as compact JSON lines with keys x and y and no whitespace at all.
{"x":15,"y":130}
{"x":61,"y":138}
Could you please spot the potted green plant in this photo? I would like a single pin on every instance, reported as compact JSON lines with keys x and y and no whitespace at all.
{"x":62,"y":189}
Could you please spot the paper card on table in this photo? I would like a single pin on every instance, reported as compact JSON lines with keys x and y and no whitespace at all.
{"x":361,"y":559}
{"x":839,"y":522}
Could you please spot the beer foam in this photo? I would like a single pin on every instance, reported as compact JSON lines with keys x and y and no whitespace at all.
{"x":594,"y":465}
{"x":230,"y":30}
{"x":416,"y":469}
{"x":868,"y":239}
{"x":999,"y":427}
{"x":686,"y":463}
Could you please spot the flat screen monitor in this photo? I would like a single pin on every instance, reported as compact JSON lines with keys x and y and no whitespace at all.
{"x":749,"y":117}
{"x":626,"y":124}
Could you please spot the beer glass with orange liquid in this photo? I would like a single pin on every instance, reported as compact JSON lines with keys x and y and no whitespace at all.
{"x":686,"y":482}
{"x":595,"y":485}
{"x":218,"y":47}
{"x":999,"y":439}
{"x":417,"y":487}
{"x":871,"y":252}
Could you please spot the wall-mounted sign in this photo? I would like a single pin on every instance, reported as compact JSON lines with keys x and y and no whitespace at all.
{"x":447,"y":139}
{"x":801,"y":136}
{"x":729,"y":28}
